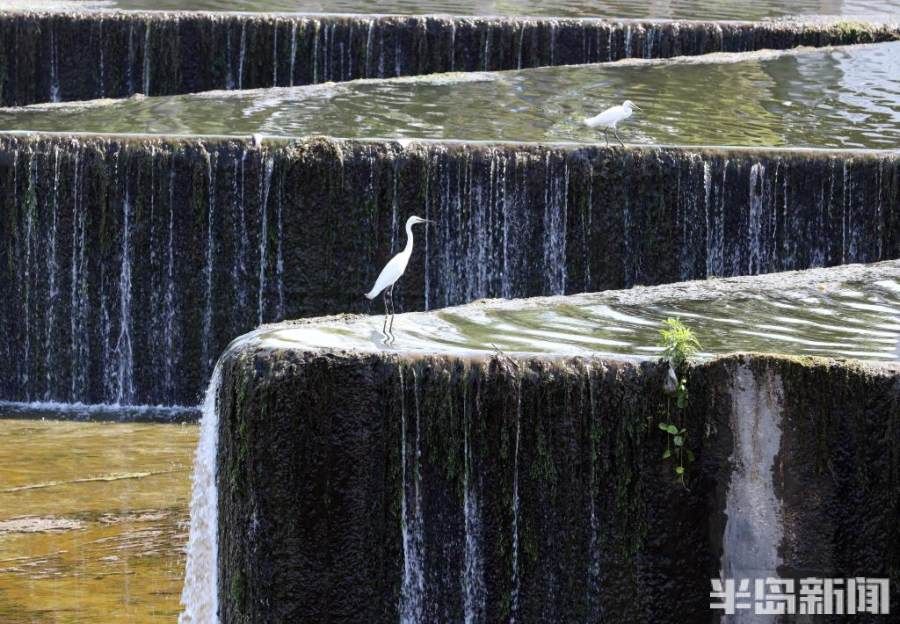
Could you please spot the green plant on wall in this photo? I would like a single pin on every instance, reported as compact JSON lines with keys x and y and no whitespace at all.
{"x":679,"y":345}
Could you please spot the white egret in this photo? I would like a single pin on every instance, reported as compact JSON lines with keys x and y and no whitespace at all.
{"x":393,"y":271}
{"x":610,"y":119}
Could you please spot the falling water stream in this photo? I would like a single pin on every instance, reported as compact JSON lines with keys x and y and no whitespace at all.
{"x":94,"y":516}
{"x":412,"y":593}
{"x":200,"y":596}
{"x":677,"y":9}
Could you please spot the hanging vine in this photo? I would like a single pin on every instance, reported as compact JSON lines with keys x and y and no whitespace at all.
{"x":679,"y":344}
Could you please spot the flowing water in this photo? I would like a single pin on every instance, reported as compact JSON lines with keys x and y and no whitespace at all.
{"x":825,"y":316}
{"x":94,"y":515}
{"x":841,"y":97}
{"x":675,"y":9}
{"x":93,"y":520}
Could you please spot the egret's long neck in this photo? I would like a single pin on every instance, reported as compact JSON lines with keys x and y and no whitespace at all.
{"x":409,"y":240}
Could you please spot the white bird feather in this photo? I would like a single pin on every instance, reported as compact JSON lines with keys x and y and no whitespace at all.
{"x":610,"y":118}
{"x":396,"y":266}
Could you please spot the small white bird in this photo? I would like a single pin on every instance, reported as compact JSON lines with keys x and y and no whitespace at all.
{"x":393,"y":271}
{"x":610,"y":119}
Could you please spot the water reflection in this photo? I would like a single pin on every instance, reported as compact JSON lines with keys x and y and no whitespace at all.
{"x":857,"y":318}
{"x":675,"y":9}
{"x":93,"y":521}
{"x":843,"y":97}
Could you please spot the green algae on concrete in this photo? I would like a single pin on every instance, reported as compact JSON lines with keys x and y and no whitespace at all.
{"x":533,"y":473}
{"x":574,"y":512}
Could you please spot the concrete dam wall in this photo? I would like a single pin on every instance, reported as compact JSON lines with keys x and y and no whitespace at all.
{"x":429,"y":488}
{"x":51,"y":57}
{"x":130,"y":263}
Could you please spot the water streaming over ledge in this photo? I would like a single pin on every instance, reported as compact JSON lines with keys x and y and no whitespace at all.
{"x":95,"y":274}
{"x":576,"y":513}
{"x":836,"y":97}
{"x":677,"y":9}
{"x":848,"y":312}
{"x":66,"y":56}
{"x":201,"y":591}
{"x":299,"y":229}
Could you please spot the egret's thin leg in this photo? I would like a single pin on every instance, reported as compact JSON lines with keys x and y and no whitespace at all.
{"x":606,"y":136}
{"x":384,"y":325}
{"x":393,"y":310}
{"x":616,"y":132}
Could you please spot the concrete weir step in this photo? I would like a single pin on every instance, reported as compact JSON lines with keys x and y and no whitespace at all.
{"x":80,"y":55}
{"x":489,"y":464}
{"x":131,"y":262}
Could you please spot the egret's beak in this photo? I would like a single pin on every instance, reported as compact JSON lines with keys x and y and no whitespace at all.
{"x":635,"y":106}
{"x":428,"y":221}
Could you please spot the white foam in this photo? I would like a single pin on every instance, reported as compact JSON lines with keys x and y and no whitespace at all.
{"x":200,"y":595}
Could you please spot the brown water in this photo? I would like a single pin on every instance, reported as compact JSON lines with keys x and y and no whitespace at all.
{"x":843,"y":97}
{"x":675,"y":9}
{"x":93,"y":521}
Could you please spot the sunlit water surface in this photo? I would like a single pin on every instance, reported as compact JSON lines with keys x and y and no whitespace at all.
{"x":858,"y":319}
{"x":675,"y":9}
{"x":842,"y":97}
{"x":93,"y":521}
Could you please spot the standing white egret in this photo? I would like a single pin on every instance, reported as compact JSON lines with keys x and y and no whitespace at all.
{"x":393,"y":271}
{"x":611,"y":117}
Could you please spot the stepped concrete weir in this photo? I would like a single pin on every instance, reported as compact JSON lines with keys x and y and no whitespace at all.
{"x":64,"y":56}
{"x":130,"y":262}
{"x":497,"y":463}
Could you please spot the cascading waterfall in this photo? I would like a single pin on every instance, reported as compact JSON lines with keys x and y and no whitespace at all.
{"x":292,"y":241}
{"x":241,"y":56}
{"x":275,"y":54}
{"x":101,"y":86}
{"x":207,"y":355}
{"x":200,"y":595}
{"x":555,"y":212}
{"x":147,"y":56}
{"x":473,"y":572}
{"x":716,"y":251}
{"x":539,"y":473}
{"x":241,"y":237}
{"x":129,"y":66}
{"x":78,"y":294}
{"x":754,"y":231}
{"x":293,"y":53}
{"x":52,"y":282}
{"x":123,"y":352}
{"x":30,"y":210}
{"x":279,"y":250}
{"x":345,"y":47}
{"x":264,"y":188}
{"x":54,"y":67}
{"x":412,"y":590}
{"x":514,"y":594}
{"x":169,"y":310}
